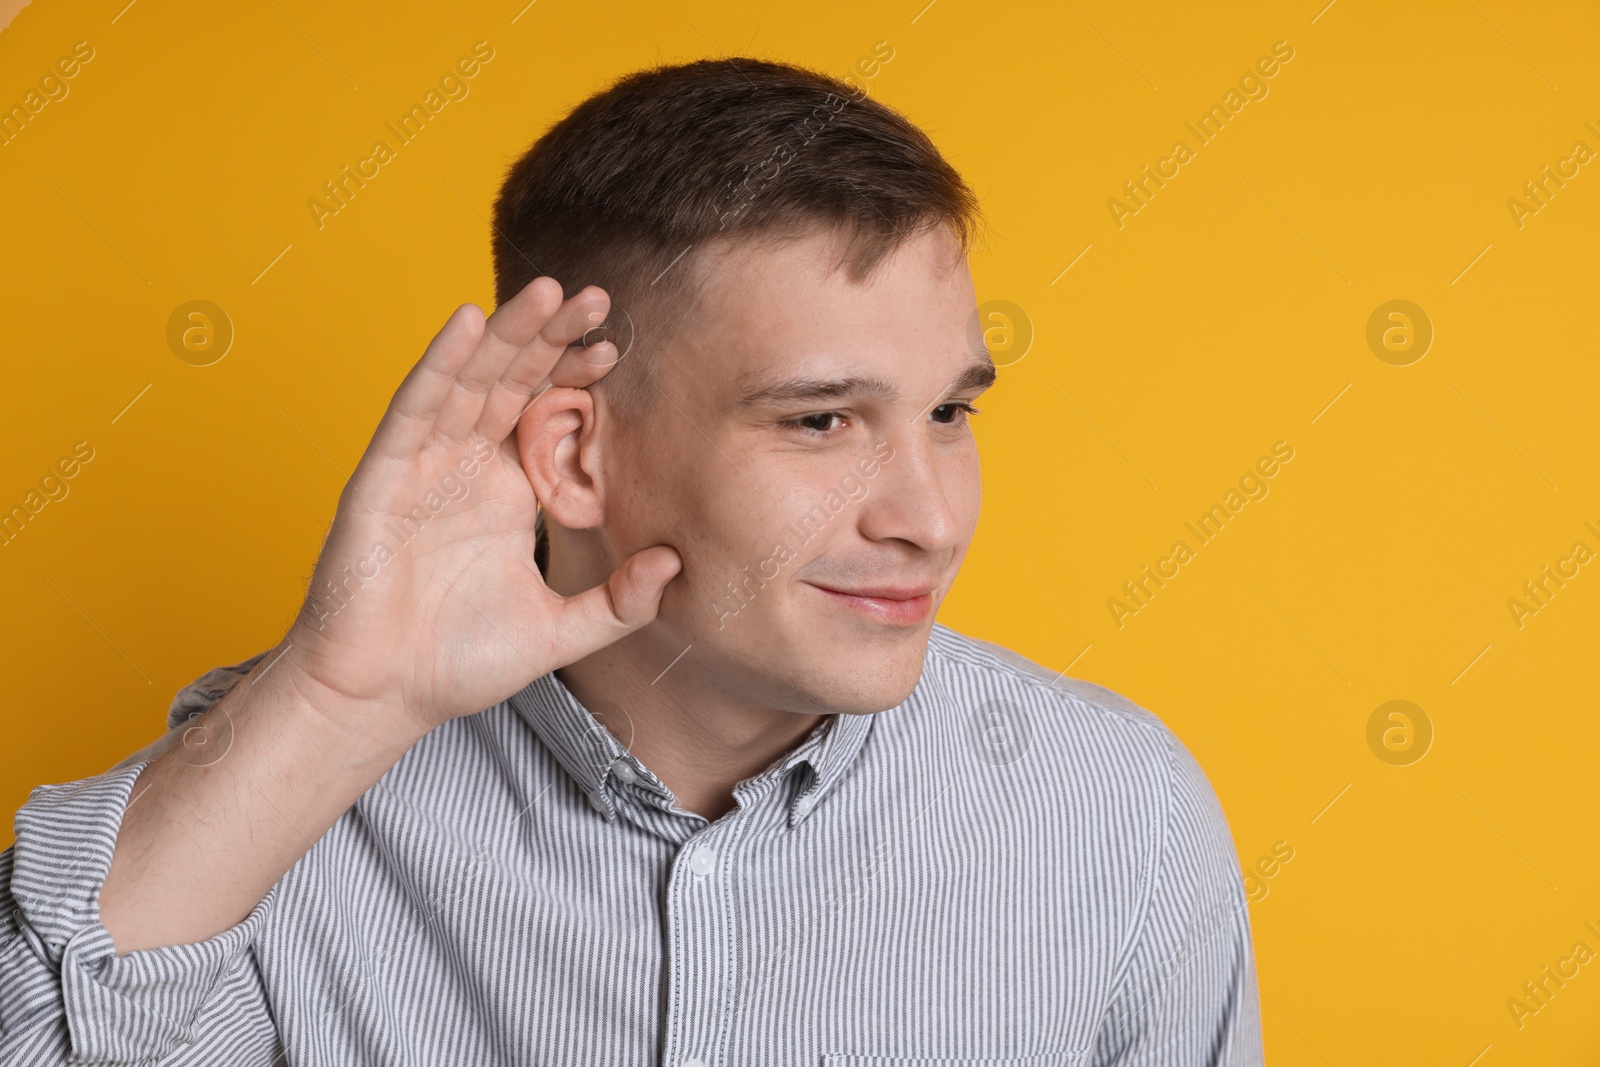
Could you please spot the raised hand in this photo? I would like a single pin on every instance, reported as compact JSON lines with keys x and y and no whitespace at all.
{"x":425,"y":601}
{"x":425,"y":605}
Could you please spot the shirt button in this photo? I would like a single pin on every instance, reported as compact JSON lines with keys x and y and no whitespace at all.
{"x":702,"y":862}
{"x":624,"y":771}
{"x":598,"y":802}
{"x":694,"y":1061}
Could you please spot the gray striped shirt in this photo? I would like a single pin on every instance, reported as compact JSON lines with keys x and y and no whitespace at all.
{"x":1010,"y":869}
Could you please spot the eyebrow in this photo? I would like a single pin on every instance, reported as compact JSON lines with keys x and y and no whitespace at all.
{"x":977,"y":375}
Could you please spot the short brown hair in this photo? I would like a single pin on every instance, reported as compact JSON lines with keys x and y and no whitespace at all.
{"x":625,"y":189}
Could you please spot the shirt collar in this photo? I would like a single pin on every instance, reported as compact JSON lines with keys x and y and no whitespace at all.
{"x":593,"y":756}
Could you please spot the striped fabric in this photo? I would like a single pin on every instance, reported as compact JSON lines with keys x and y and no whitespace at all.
{"x":1009,"y":869}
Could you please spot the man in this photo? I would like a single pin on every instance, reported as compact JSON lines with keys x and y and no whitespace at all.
{"x":699,"y":781}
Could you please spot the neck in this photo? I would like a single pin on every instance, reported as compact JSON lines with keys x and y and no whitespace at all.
{"x":689,"y":735}
{"x":677,"y":716}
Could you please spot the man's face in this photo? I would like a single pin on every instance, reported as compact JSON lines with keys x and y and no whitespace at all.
{"x":808,"y":436}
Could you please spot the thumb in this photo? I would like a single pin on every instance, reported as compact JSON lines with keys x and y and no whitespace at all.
{"x":620,"y":605}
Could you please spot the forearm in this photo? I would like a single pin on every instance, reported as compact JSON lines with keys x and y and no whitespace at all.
{"x":203,"y":838}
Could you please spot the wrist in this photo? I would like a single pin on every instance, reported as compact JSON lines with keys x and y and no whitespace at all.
{"x":328,"y":724}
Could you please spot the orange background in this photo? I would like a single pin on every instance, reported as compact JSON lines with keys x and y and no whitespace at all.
{"x":1228,"y":313}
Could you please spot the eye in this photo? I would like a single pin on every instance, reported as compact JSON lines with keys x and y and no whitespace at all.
{"x":957,"y":411}
{"x":808,"y":424}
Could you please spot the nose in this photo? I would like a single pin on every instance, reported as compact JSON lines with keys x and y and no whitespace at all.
{"x":921,"y":494}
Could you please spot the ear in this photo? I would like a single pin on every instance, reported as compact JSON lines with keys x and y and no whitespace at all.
{"x":560,"y":451}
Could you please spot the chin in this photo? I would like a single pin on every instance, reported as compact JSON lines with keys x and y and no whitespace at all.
{"x":868,"y":681}
{"x":827,"y":662}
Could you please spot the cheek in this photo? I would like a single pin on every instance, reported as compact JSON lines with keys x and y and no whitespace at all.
{"x":965,"y":486}
{"x":742,"y":523}
{"x":646,"y":501}
{"x":673,"y":494}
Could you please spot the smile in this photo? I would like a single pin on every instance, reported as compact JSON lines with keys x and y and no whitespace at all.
{"x":898,"y":607}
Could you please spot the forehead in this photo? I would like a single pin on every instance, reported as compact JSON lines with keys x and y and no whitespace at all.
{"x":734,"y":270}
{"x":768,"y":307}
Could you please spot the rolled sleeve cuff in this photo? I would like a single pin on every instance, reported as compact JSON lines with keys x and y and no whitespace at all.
{"x":128,"y":1008}
{"x":137,"y":1007}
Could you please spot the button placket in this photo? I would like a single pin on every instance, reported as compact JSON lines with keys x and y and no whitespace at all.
{"x":698,"y":961}
{"x":700,"y":911}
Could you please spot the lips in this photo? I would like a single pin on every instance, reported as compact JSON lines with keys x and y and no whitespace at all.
{"x":899,"y":605}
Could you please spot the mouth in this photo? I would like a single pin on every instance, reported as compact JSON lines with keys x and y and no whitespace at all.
{"x":899,"y":606}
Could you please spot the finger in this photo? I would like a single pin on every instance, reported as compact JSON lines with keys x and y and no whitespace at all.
{"x":415,"y":405}
{"x":502,"y":413}
{"x":580,"y":366}
{"x":513,"y":331}
{"x":626,"y":601}
{"x":530,"y":370}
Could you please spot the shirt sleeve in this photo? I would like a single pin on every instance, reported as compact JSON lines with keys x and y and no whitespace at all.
{"x":1187,"y":994}
{"x":65,"y":994}
{"x":209,"y":688}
